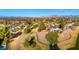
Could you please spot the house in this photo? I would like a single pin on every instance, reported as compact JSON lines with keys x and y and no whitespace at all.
{"x":69,"y":26}
{"x":55,"y":30}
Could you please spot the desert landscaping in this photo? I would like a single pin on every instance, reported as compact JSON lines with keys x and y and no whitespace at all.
{"x":44,"y":33}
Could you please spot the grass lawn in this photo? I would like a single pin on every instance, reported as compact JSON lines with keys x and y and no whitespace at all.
{"x":34,"y":26}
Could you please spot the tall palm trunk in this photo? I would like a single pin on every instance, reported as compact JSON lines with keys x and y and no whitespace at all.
{"x":7,"y":34}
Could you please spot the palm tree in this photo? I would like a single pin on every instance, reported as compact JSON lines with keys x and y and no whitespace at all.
{"x":52,"y":39}
{"x":7,"y":34}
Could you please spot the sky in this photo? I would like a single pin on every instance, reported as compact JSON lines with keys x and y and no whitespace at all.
{"x":38,"y":12}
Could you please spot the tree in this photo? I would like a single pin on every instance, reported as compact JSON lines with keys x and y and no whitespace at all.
{"x":7,"y":34}
{"x":27,"y":30}
{"x":61,"y":22}
{"x":1,"y":37}
{"x":52,"y":37}
{"x":30,"y":42}
{"x":41,"y":26}
{"x":4,"y":36}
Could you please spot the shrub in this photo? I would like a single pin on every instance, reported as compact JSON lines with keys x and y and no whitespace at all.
{"x":30,"y":42}
{"x":41,"y":27}
{"x":27,"y":30}
{"x":26,"y":43}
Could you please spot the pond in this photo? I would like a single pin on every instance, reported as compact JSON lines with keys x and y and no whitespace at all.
{"x":54,"y":47}
{"x":16,"y":34}
{"x":1,"y":41}
{"x":2,"y":47}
